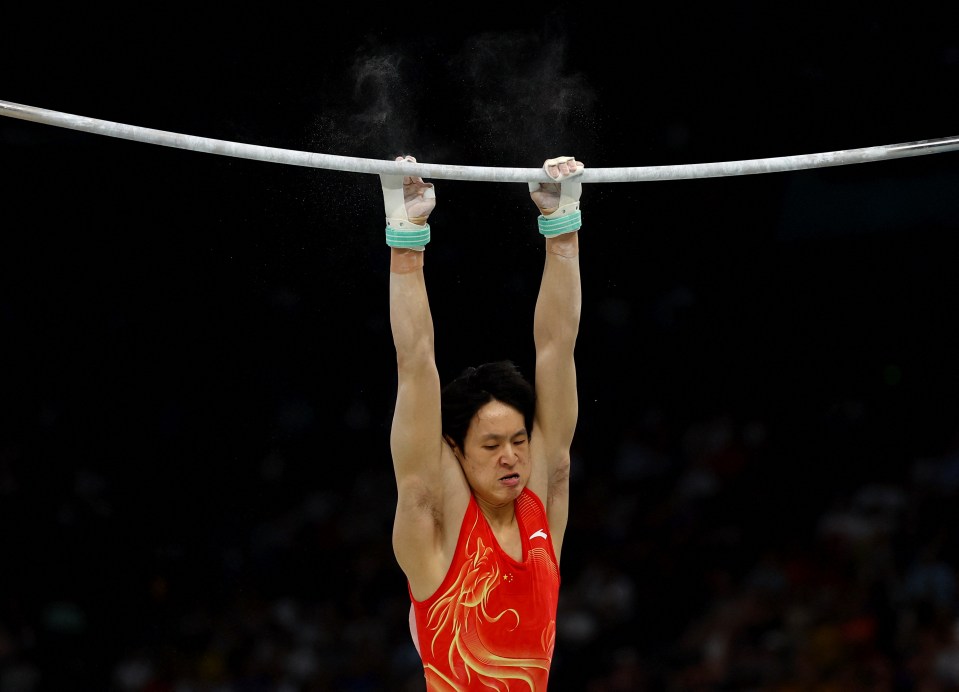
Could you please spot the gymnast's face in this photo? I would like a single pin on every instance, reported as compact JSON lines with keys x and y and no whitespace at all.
{"x":495,"y":457}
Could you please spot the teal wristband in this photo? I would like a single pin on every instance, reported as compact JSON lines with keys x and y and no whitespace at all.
{"x":563,"y":224}
{"x":416,"y":236}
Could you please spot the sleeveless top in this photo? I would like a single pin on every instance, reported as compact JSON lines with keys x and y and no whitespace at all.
{"x":491,"y":625}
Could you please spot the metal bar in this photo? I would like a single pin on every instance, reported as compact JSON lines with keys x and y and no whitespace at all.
{"x":477,"y":173}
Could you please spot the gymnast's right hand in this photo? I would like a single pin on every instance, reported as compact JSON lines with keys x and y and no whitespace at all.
{"x":407,"y":197}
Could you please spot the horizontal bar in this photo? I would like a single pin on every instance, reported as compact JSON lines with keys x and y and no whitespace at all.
{"x":477,"y":173}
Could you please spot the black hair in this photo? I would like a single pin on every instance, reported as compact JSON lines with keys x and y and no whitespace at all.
{"x":477,"y":386}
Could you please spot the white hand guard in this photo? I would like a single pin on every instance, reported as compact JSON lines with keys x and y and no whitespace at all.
{"x":400,"y":231}
{"x":567,"y":217}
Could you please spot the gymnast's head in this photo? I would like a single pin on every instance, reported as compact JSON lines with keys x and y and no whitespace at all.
{"x":474,"y":388}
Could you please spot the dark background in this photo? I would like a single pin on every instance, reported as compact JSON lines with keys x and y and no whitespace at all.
{"x":195,"y":482}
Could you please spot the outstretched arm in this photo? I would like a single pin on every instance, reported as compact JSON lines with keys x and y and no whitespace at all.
{"x":415,"y":437}
{"x":555,"y":328}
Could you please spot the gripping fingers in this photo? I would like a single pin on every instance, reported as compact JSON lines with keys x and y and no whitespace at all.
{"x":558,"y":201}
{"x":407,"y":201}
{"x":562,"y":167}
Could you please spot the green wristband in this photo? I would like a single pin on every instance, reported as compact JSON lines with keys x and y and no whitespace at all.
{"x":415,"y":236}
{"x":563,"y":224}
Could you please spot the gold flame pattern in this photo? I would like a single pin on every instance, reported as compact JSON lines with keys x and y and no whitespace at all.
{"x":457,"y":617}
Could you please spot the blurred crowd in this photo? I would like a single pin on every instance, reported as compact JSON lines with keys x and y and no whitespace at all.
{"x":685,"y":568}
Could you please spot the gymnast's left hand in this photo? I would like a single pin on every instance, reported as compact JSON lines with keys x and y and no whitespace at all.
{"x":549,"y":197}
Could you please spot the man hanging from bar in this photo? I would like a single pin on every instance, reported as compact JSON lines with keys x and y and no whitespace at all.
{"x":482,"y":464}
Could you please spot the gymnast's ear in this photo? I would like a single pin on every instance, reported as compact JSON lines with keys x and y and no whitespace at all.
{"x":452,"y":445}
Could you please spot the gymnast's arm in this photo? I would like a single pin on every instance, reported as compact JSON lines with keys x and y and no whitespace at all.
{"x":555,"y":329}
{"x":416,"y":435}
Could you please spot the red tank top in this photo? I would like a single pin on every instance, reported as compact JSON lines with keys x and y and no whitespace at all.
{"x":491,"y":625}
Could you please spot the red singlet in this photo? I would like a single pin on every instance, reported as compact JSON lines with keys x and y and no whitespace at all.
{"x":491,"y":625}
